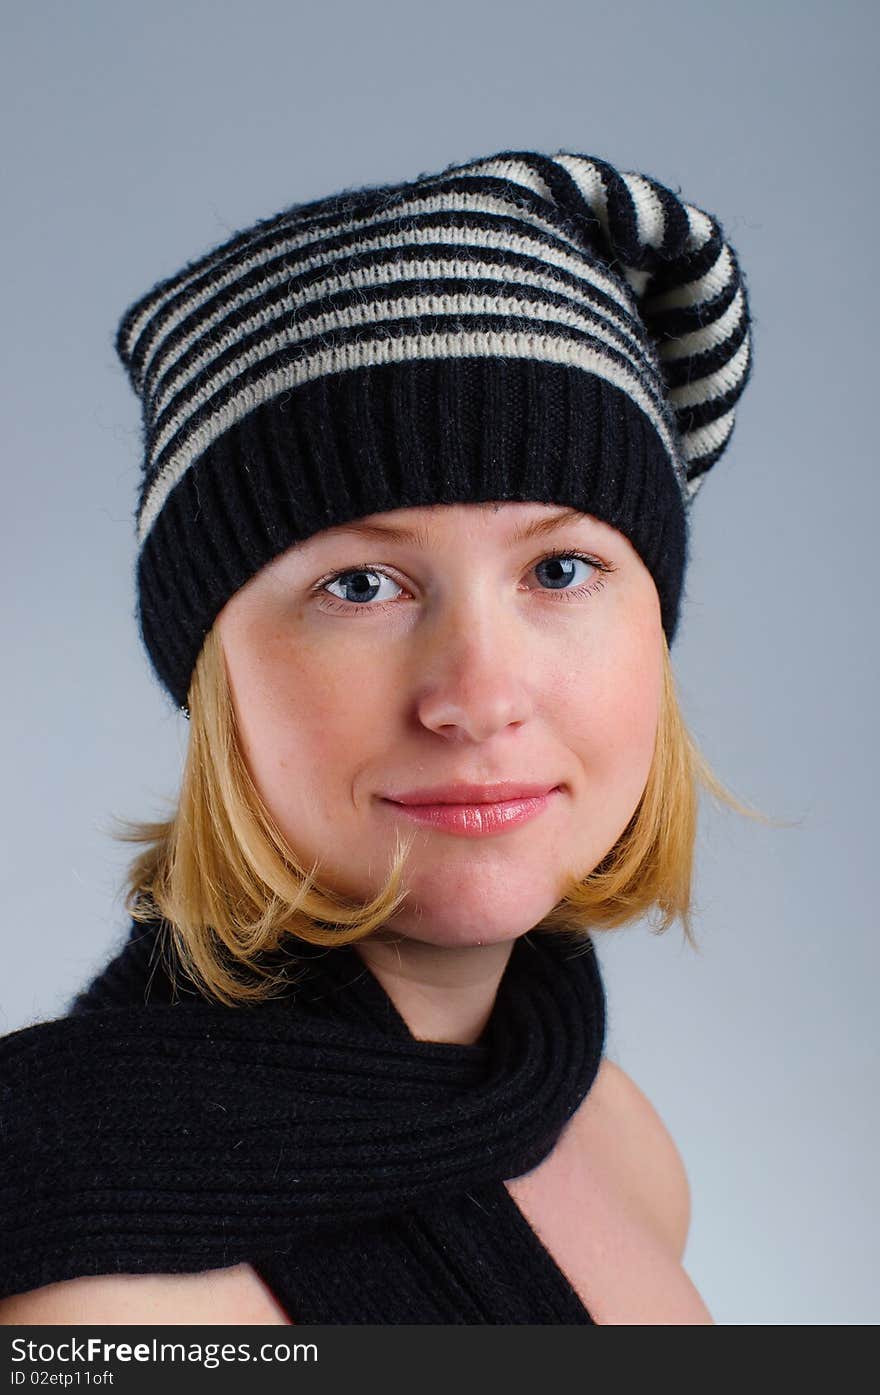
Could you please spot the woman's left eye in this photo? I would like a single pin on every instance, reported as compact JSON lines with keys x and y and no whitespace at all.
{"x":558,"y":562}
{"x":556,"y":568}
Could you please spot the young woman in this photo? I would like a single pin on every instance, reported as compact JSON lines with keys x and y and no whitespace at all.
{"x":412,"y":532}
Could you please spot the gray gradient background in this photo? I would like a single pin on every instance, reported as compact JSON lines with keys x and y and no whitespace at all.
{"x":136,"y":137}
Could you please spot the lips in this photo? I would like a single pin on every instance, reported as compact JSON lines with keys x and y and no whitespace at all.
{"x":470,"y":794}
{"x":474,"y":820}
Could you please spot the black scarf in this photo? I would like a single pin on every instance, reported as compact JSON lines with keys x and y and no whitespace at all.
{"x":359,"y":1170}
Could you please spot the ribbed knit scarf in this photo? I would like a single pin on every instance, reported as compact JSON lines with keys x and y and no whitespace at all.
{"x":358,"y":1169}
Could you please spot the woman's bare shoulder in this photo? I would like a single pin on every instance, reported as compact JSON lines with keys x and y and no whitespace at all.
{"x":233,"y":1295}
{"x":622,"y":1130}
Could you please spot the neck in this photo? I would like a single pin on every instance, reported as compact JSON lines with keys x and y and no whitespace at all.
{"x":443,"y":994}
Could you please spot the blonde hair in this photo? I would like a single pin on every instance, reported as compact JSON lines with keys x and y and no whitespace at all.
{"x":229,"y":889}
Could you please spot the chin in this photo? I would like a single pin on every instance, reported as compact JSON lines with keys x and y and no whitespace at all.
{"x":455,"y":926}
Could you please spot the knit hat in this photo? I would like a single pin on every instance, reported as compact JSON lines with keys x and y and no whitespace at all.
{"x":519,"y":327}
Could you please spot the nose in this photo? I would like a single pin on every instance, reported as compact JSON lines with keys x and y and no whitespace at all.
{"x":475,"y":676}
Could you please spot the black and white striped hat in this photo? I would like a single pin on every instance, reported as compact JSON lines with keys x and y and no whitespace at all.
{"x":519,"y":327}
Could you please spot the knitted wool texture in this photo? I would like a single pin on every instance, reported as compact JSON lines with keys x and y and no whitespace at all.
{"x":357,"y":1168}
{"x":517,"y":327}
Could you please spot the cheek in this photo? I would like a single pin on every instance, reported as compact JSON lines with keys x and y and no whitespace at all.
{"x":614,"y":698}
{"x":300,"y":714}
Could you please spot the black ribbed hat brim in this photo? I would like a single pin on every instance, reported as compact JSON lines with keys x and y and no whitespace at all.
{"x":401,"y":435}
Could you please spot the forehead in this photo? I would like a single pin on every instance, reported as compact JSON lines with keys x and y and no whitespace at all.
{"x":505,"y":519}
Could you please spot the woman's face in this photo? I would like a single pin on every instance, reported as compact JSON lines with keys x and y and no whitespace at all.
{"x":364,"y":664}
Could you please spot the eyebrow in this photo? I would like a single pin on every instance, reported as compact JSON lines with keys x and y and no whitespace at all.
{"x":388,"y":531}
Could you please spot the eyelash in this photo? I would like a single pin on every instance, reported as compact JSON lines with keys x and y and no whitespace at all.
{"x":333,"y":603}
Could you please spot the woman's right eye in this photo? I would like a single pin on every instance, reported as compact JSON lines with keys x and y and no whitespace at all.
{"x":365,"y":586}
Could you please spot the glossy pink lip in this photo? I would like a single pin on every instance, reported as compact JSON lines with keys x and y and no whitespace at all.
{"x":462,"y":793}
{"x":477,"y":820}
